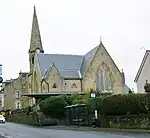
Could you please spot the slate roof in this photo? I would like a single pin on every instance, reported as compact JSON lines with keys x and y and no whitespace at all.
{"x":69,"y":66}
{"x":87,"y":60}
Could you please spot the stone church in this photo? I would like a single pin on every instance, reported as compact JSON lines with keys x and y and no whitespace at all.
{"x":58,"y":72}
{"x":71,"y":73}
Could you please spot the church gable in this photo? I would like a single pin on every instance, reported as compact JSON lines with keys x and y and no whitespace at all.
{"x":52,"y":71}
{"x":103,"y":72}
{"x":53,"y":77}
{"x":102,"y":55}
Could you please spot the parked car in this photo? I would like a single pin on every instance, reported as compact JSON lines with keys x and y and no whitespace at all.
{"x":2,"y":119}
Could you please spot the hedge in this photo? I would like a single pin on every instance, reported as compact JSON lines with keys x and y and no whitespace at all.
{"x":23,"y":119}
{"x":121,"y":104}
{"x":116,"y":111}
{"x":126,"y":104}
{"x":126,"y":121}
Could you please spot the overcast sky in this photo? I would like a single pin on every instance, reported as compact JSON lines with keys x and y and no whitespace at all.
{"x":75,"y":27}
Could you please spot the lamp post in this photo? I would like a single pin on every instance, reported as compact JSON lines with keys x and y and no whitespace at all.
{"x":93,"y":95}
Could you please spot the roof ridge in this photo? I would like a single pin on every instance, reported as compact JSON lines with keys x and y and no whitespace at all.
{"x":60,"y":54}
{"x":69,"y":70}
{"x":91,"y":49}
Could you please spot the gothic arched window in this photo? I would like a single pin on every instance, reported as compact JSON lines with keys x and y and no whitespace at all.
{"x":101,"y":80}
{"x":43,"y":87}
{"x":73,"y":85}
{"x":97,"y":81}
{"x":32,"y":60}
{"x":104,"y":80}
{"x":54,"y":85}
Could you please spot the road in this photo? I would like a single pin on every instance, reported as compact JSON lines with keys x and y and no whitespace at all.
{"x":12,"y":130}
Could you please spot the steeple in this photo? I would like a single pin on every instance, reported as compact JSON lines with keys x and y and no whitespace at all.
{"x":35,"y":42}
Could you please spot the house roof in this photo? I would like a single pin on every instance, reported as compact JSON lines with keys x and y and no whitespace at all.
{"x":142,"y":65}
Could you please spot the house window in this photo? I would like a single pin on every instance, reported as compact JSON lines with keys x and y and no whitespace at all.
{"x":17,"y":105}
{"x":74,"y":85}
{"x":17,"y":94}
{"x":55,"y":85}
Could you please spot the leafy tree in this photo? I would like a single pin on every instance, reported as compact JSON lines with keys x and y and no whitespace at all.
{"x":54,"y":107}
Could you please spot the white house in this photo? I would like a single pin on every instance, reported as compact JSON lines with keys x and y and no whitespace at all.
{"x":143,"y":73}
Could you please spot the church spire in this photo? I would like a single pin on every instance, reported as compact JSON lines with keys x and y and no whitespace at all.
{"x":35,"y":42}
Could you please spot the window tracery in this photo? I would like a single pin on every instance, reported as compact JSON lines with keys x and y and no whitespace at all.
{"x":55,"y":85}
{"x":104,"y":79}
{"x":74,"y":85}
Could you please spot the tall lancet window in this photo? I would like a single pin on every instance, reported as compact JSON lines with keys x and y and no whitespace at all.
{"x":97,"y":81}
{"x":110,"y":79}
{"x":111,"y":82}
{"x":104,"y":80}
{"x":101,"y":80}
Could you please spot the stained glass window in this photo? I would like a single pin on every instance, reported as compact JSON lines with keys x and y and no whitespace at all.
{"x":97,"y":81}
{"x":101,"y":80}
{"x":104,"y":80}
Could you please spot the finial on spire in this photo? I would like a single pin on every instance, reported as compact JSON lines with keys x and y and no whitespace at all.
{"x":34,"y":10}
{"x":100,"y":39}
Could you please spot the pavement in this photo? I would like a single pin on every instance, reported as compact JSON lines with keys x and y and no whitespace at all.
{"x":13,"y":130}
{"x":80,"y":128}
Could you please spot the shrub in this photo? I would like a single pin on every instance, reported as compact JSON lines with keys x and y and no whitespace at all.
{"x":54,"y":107}
{"x":23,"y":119}
{"x":126,"y":104}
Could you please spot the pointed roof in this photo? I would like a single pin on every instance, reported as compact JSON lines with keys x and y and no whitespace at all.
{"x":68,"y":65}
{"x":35,"y":42}
{"x":89,"y":57}
{"x":147,"y":53}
